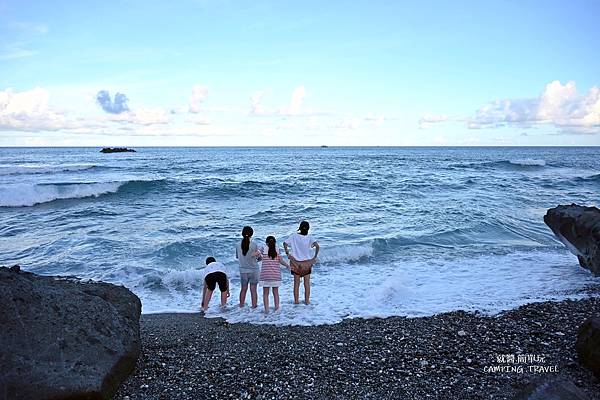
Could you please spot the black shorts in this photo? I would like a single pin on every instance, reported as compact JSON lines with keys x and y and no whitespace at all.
{"x":213,"y":278}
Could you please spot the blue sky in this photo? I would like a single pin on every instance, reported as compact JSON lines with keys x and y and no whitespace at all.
{"x":265,"y":73}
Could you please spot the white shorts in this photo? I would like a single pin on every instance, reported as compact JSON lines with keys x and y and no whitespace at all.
{"x":273,"y":284}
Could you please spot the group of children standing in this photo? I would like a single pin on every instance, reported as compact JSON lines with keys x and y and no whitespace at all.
{"x":299,"y":250}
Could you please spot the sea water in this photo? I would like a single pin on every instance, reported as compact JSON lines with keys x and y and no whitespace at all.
{"x":403,"y":231}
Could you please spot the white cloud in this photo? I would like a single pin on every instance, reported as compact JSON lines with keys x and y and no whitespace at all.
{"x":427,"y":120}
{"x":295,"y":106}
{"x":558,"y":105}
{"x":376,"y":119}
{"x":256,"y":107}
{"x":142,"y":116}
{"x":13,"y":53}
{"x":29,"y":111}
{"x":350,"y":123}
{"x":199,"y":95}
{"x":199,"y":121}
{"x":353,"y":122}
{"x":31,"y":28}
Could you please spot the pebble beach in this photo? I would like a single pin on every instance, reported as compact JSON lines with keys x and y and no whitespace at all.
{"x":454,"y":355}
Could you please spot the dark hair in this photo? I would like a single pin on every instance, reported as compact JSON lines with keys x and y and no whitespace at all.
{"x":303,"y":228}
{"x":272,"y":249}
{"x":210,"y":260}
{"x":247,"y":233}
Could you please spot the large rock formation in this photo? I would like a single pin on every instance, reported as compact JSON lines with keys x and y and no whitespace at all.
{"x":64,"y":338}
{"x":579,"y":229}
{"x":588,"y":345}
{"x":117,"y":150}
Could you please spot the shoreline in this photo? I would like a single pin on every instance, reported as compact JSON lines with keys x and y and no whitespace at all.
{"x":446,"y":356}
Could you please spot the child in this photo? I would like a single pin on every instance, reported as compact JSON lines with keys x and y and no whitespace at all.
{"x":300,"y":244}
{"x":214,"y":274}
{"x":270,"y":272}
{"x":245,"y":253}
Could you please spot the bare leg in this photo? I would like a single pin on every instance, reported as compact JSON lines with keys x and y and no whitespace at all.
{"x":254,"y":295}
{"x":276,"y":297}
{"x":224,"y":299}
{"x":296,"y":289}
{"x":243,"y":295}
{"x":207,"y":296}
{"x":266,"y":299}
{"x":307,"y":289}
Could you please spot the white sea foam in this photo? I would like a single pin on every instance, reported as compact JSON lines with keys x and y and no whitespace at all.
{"x":487,"y":283}
{"x":23,"y":195}
{"x":42,"y":168}
{"x":528,"y":162}
{"x":345,"y":253}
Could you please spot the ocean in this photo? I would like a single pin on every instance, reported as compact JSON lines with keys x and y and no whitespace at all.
{"x":403,"y":231}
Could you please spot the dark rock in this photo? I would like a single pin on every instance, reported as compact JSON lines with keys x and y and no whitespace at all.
{"x":551,"y":389}
{"x":578,"y":228}
{"x":117,"y":150}
{"x":588,"y":345}
{"x":15,"y":268}
{"x":64,"y":338}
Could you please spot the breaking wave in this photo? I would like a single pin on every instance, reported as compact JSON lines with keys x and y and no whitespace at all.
{"x":525,"y":163}
{"x":44,"y":169}
{"x":27,"y":195}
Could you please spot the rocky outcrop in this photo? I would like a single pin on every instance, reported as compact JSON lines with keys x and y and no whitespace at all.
{"x":117,"y":150}
{"x":62,"y":338}
{"x":551,"y":389}
{"x":588,"y":345}
{"x":578,"y":228}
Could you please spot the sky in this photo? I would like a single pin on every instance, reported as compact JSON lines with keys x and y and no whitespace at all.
{"x":309,"y":73}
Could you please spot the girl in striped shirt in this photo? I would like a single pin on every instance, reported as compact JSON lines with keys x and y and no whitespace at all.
{"x":270,"y":272}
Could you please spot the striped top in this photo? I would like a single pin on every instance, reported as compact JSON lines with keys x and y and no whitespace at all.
{"x":270,"y":270}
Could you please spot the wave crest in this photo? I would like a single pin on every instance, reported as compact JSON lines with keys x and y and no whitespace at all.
{"x":528,"y":162}
{"x":524,"y":163}
{"x":43,"y":169}
{"x":346,"y":254}
{"x":25,"y":195}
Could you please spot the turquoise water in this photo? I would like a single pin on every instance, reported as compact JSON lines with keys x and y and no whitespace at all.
{"x":404,"y":231}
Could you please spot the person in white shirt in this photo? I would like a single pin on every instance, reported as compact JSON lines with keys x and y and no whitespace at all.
{"x":299,"y":249}
{"x":214,"y":273}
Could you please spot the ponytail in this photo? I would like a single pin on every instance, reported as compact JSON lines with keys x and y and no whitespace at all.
{"x":247,"y":233}
{"x":272,"y":249}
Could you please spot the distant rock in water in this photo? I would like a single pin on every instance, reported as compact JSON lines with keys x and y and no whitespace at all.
{"x":64,"y":338}
{"x":117,"y":150}
{"x":578,"y":228}
{"x":588,"y":345}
